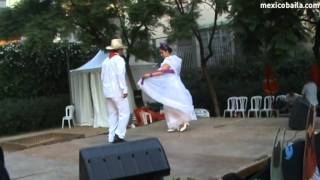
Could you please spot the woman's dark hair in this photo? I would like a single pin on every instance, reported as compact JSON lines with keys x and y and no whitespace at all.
{"x":165,"y":47}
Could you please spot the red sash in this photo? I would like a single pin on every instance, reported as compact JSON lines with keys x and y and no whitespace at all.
{"x":112,"y":53}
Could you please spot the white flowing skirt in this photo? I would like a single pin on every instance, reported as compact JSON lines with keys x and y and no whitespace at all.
{"x":169,"y":90}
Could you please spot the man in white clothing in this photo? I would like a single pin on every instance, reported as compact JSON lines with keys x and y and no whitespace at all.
{"x":113,"y":76}
{"x":309,"y":92}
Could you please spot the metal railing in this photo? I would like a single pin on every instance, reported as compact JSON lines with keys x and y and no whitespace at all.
{"x":223,"y":47}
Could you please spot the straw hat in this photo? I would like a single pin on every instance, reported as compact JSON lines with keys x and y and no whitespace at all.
{"x":116,"y":44}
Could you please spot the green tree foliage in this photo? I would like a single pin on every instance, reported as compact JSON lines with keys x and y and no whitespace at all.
{"x":24,"y":74}
{"x":184,"y":15}
{"x":31,"y":114}
{"x":93,"y":21}
{"x":311,"y":19}
{"x":41,"y":21}
{"x":37,"y":21}
{"x":138,"y":19}
{"x":272,"y":34}
{"x":139,"y":22}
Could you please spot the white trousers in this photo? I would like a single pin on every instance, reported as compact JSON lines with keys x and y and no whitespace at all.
{"x":119,"y":113}
{"x":174,"y":117}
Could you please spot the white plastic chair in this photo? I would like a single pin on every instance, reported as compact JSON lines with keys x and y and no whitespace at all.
{"x":267,"y":106}
{"x":134,"y":120}
{"x":145,"y":116}
{"x":241,"y":105}
{"x":281,"y":98}
{"x":231,"y":106}
{"x":200,"y":112}
{"x":69,"y":116}
{"x":255,"y":105}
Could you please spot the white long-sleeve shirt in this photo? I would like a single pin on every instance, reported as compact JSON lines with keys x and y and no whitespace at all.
{"x":113,"y":76}
{"x":309,"y":91}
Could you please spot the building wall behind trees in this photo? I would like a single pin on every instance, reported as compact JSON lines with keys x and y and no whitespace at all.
{"x":2,"y":3}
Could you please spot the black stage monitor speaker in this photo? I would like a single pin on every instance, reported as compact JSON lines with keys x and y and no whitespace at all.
{"x":317,"y":143}
{"x":299,"y":114}
{"x":292,"y":160}
{"x":142,"y":159}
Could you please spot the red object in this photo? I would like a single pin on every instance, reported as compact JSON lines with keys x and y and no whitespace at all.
{"x":315,"y":74}
{"x":310,"y":160}
{"x":310,"y":154}
{"x":155,"y":116}
{"x":270,"y":84}
{"x":112,"y":53}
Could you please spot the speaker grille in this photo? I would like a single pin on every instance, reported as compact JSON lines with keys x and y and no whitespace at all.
{"x":135,"y":160}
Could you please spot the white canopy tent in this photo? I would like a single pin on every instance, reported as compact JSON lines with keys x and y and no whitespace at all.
{"x":87,"y":94}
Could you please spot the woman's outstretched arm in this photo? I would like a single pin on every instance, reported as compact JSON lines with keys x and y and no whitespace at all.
{"x":158,"y":72}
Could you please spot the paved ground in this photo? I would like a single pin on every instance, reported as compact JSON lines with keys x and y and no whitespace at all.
{"x":211,"y":148}
{"x":86,"y":131}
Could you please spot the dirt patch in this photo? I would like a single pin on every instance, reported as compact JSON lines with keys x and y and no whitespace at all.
{"x":38,"y":140}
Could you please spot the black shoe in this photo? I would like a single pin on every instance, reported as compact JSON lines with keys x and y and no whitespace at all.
{"x":117,"y":139}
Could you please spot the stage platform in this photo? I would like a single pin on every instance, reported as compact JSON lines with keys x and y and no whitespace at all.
{"x":211,"y":148}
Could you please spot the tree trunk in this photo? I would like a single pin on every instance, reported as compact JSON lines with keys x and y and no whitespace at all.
{"x":130,"y":76}
{"x":316,"y":47}
{"x":212,"y":91}
{"x":137,"y":99}
{"x":68,"y":72}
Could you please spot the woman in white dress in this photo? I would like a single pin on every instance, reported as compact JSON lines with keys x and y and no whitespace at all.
{"x":166,"y":87}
